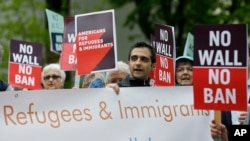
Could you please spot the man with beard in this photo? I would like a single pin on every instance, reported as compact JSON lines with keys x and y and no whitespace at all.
{"x":141,"y":61}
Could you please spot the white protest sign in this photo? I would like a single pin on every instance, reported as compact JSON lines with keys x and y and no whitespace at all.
{"x":136,"y":114}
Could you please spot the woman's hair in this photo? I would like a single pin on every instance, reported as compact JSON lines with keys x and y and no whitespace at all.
{"x":121,"y":66}
{"x":55,"y":67}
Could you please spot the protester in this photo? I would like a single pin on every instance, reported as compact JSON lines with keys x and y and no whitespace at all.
{"x":184,"y":70}
{"x":98,"y":81}
{"x":53,"y":77}
{"x":141,"y":61}
{"x":220,"y":130}
{"x":87,"y":79}
{"x":116,"y":76}
{"x":4,"y":86}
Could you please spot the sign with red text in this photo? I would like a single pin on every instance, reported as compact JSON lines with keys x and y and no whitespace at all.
{"x":68,"y":59}
{"x":220,"y":67}
{"x":55,"y":25}
{"x":96,"y":42}
{"x":25,"y":62}
{"x":164,"y":44}
{"x":136,"y":114}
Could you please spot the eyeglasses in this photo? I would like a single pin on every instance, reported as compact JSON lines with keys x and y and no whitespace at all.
{"x":51,"y":76}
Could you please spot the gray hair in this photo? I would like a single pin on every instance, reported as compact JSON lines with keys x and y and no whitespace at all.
{"x":56,"y":67}
{"x":121,"y":66}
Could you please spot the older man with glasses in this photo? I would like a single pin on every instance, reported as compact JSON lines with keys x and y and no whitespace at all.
{"x":53,"y":77}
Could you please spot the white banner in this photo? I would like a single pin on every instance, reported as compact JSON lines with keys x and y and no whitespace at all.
{"x":136,"y":114}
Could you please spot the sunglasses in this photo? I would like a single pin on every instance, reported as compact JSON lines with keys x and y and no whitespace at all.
{"x":51,"y":76}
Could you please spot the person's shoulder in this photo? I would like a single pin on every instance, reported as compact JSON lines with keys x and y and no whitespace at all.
{"x":96,"y":83}
{"x":3,"y":85}
{"x":125,"y":82}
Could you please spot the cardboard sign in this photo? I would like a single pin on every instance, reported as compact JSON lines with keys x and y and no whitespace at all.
{"x":220,"y":67}
{"x":56,"y":25}
{"x":164,"y":44}
{"x":68,"y":58}
{"x":25,"y":64}
{"x":96,"y":42}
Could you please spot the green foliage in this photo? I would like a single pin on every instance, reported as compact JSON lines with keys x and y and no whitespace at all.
{"x":183,"y":15}
{"x":21,"y":20}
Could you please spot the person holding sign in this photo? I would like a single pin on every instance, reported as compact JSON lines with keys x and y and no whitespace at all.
{"x":184,"y":70}
{"x":53,"y":77}
{"x":141,"y":61}
{"x":5,"y":86}
{"x":231,"y":117}
{"x":118,"y":75}
{"x":114,"y":76}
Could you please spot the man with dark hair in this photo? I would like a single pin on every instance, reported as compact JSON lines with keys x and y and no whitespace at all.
{"x":141,"y":61}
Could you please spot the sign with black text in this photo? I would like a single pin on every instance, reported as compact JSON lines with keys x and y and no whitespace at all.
{"x":55,"y":25}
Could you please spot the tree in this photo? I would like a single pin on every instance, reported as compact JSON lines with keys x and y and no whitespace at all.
{"x":22,"y":21}
{"x":183,"y":15}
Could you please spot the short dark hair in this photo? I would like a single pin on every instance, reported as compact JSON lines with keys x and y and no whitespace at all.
{"x":144,"y":45}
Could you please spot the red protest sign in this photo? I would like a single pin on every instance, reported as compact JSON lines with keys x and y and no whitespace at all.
{"x":164,"y":44}
{"x":68,"y":58}
{"x":220,"y":67}
{"x":95,"y":42}
{"x":25,"y":64}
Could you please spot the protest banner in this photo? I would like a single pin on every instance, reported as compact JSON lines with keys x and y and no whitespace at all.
{"x":56,"y":25}
{"x":136,"y":114}
{"x":68,"y":58}
{"x":25,"y":62}
{"x":220,"y":67}
{"x":164,"y":44}
{"x":189,"y":46}
{"x":96,"y":42}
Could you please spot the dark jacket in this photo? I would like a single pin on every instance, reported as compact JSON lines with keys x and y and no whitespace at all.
{"x":3,"y":86}
{"x":226,"y":119}
{"x":131,"y":82}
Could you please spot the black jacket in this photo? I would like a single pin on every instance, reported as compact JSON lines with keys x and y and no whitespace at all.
{"x":3,"y":85}
{"x":131,"y":82}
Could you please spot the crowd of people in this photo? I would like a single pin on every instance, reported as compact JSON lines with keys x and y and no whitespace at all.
{"x":136,"y":73}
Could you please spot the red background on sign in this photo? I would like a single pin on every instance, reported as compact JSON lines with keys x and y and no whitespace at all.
{"x":67,"y":50}
{"x":36,"y":73}
{"x":237,"y":81}
{"x":92,"y":57}
{"x":169,"y":69}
